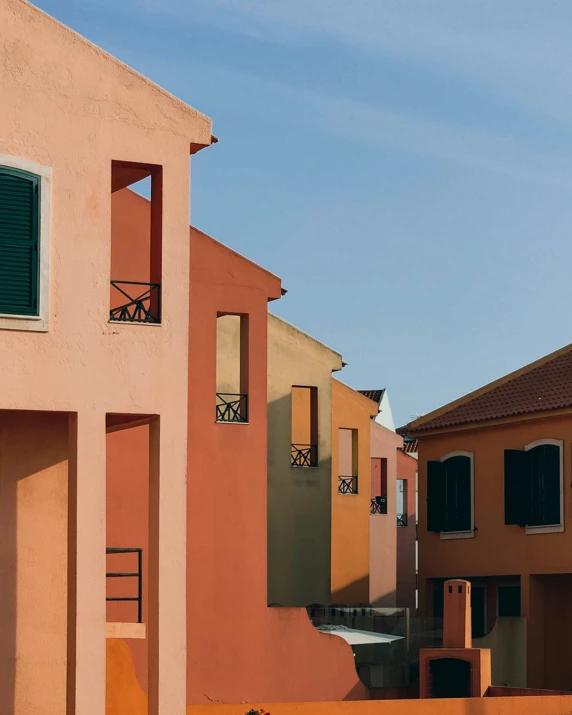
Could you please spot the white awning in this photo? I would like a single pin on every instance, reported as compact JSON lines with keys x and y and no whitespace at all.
{"x":353,"y":636}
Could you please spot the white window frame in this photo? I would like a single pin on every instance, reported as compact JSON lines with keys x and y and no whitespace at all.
{"x":550,"y":528}
{"x":469,"y":533}
{"x":36,"y":323}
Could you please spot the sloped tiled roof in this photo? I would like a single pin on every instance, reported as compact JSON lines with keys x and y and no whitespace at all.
{"x":543,"y":386}
{"x":410,"y":444}
{"x":374,"y":395}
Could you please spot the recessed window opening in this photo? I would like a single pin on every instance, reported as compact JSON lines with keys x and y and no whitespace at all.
{"x":304,"y":440}
{"x":232,"y":368}
{"x":348,"y":461}
{"x":378,"y":483}
{"x":136,"y":242}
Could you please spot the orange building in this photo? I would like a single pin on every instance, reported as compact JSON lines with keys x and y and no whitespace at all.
{"x":406,"y":518}
{"x":494,"y":471}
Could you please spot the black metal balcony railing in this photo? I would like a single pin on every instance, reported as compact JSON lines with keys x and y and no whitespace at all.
{"x":304,"y":455}
{"x":231,"y":407}
{"x":142,"y":308}
{"x":378,"y":505}
{"x":401,"y":519}
{"x":347,"y":485}
{"x":129,"y":574}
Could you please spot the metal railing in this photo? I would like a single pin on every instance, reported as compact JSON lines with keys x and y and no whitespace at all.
{"x":347,"y":485}
{"x":378,"y":505}
{"x":231,"y":407}
{"x":401,"y":519}
{"x":142,"y":308}
{"x":129,"y":574}
{"x":304,"y":455}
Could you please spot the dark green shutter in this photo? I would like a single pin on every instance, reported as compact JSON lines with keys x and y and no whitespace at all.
{"x":459,"y":496}
{"x":435,"y":496}
{"x":517,"y":487}
{"x":19,"y":242}
{"x":545,"y":460}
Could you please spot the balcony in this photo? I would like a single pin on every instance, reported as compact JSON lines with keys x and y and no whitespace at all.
{"x":231,"y":407}
{"x":347,"y":485}
{"x":401,"y":520}
{"x":304,"y":455}
{"x":378,"y":505}
{"x":138,"y":302}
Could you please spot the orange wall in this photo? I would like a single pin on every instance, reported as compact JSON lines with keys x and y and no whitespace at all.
{"x":406,"y":582}
{"x":301,"y":415}
{"x":350,"y":513}
{"x":383,"y":530}
{"x":521,"y":553}
{"x":238,"y":649}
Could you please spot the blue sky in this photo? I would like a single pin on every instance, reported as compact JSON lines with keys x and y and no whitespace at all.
{"x":404,"y":165}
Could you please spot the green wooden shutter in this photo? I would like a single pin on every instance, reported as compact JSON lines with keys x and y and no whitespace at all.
{"x":435,"y":496}
{"x":517,"y":487}
{"x":459,"y":494}
{"x":19,"y":242}
{"x":545,"y":461}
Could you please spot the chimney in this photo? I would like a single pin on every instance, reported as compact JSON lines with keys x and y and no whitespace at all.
{"x":457,"y":617}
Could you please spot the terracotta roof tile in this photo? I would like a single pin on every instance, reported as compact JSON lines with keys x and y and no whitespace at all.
{"x":374,"y":395}
{"x":548,"y":386}
{"x":410,"y":444}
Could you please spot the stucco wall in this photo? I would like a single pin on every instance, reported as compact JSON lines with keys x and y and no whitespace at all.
{"x":350,"y":512}
{"x":383,"y":530}
{"x":34,"y":560}
{"x":527,"y":555}
{"x":69,"y":107}
{"x":406,"y":582}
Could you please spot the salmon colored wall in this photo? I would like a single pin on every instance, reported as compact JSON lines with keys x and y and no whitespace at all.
{"x":525,"y":555}
{"x":350,"y":513}
{"x":71,"y":108}
{"x":238,"y":648}
{"x":383,"y":530}
{"x":33,"y":561}
{"x":406,"y":582}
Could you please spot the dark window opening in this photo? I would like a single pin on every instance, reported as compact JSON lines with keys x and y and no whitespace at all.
{"x":509,"y":600}
{"x":478,"y":611}
{"x":19,"y":242}
{"x":449,"y":678}
{"x":449,"y":495}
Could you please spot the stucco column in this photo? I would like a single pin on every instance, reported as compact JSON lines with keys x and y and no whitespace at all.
{"x":86,"y":622}
{"x":167,"y":565}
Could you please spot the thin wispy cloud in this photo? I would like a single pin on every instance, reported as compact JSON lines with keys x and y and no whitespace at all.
{"x":518,"y":48}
